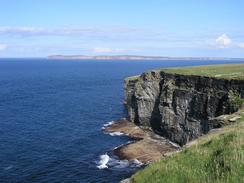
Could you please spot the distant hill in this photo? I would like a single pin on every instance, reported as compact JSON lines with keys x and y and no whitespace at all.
{"x":132,"y":57}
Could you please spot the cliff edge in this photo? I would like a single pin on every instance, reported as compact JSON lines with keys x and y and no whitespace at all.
{"x":182,"y":104}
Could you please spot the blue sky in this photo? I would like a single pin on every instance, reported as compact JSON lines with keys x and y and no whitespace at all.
{"x":208,"y":28}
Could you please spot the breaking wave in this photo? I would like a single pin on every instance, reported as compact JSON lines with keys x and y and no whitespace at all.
{"x":107,"y":124}
{"x":103,"y":161}
{"x":116,"y":134}
{"x":114,"y":163}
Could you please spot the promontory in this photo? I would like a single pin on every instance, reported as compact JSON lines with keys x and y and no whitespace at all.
{"x":200,"y":109}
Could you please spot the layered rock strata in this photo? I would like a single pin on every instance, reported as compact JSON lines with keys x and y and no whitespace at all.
{"x":179,"y":107}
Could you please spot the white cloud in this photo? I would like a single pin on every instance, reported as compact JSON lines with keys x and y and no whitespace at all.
{"x":3,"y":47}
{"x":67,"y":31}
{"x":24,"y":31}
{"x":223,"y":41}
{"x":241,"y":45}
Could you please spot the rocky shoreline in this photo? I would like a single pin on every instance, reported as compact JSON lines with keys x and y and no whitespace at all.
{"x":147,"y":147}
{"x":169,"y":111}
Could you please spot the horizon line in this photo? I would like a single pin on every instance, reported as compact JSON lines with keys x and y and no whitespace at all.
{"x":170,"y":57}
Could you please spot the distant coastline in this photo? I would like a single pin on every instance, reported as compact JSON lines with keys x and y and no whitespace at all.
{"x":134,"y":57}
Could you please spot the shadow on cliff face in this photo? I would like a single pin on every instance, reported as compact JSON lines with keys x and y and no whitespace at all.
{"x":135,"y":106}
{"x":156,"y":117}
{"x":201,"y":108}
{"x":194,"y":103}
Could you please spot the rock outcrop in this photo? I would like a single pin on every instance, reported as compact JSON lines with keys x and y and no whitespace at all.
{"x":179,"y":107}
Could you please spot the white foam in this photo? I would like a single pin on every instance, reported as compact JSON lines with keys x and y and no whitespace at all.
{"x":116,"y":163}
{"x":137,"y":162}
{"x":108,"y":162}
{"x":130,"y":141}
{"x":122,"y":164}
{"x":116,"y":134}
{"x":104,"y":159}
{"x":118,"y":146}
{"x":108,"y":123}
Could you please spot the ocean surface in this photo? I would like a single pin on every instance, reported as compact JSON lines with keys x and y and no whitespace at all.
{"x":52,"y":114}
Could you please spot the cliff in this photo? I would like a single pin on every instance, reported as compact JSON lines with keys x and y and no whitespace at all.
{"x":178,"y":106}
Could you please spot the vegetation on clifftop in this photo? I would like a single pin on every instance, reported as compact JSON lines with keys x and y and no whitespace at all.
{"x":216,"y":157}
{"x":236,"y":101}
{"x":228,"y":71}
{"x":132,"y":78}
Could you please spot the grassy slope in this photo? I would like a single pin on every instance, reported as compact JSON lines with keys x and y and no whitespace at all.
{"x":229,"y":71}
{"x":216,"y":157}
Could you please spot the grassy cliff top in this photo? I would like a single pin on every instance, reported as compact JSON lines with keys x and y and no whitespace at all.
{"x":216,"y":157}
{"x":132,"y":78}
{"x":228,"y":71}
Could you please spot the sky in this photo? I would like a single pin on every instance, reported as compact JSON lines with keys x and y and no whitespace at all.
{"x":202,"y":28}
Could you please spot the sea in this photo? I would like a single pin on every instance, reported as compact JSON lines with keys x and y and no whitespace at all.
{"x":52,"y":115}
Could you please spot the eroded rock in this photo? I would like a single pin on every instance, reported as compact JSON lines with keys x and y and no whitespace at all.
{"x":179,"y":107}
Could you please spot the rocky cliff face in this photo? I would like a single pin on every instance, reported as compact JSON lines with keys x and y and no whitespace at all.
{"x":179,"y":107}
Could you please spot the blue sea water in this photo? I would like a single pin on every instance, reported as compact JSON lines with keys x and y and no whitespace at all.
{"x":51,"y":115}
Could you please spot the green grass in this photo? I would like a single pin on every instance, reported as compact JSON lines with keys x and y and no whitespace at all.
{"x":228,"y":71}
{"x":216,"y":158}
{"x":235,"y":100}
{"x":132,"y":78}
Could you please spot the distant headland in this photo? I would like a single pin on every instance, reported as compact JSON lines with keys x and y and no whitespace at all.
{"x":133,"y":57}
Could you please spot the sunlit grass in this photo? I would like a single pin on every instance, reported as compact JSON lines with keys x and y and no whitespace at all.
{"x":228,"y":71}
{"x":217,"y":157}
{"x":132,"y":78}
